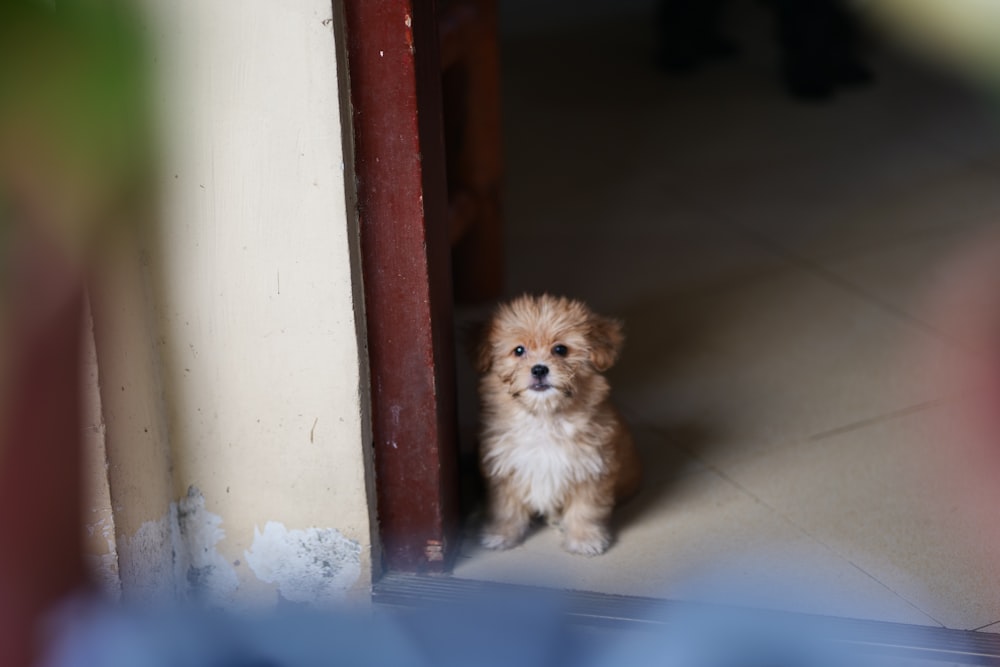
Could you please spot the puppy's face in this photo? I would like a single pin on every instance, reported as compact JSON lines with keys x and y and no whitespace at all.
{"x":545,"y":351}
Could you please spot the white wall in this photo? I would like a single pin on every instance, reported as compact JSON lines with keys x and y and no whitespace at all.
{"x":256,"y":314}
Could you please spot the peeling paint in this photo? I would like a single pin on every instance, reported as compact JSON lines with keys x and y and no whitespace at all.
{"x":315,"y":566}
{"x":408,"y":34}
{"x":146,"y":560}
{"x":104,"y":567}
{"x":104,"y":573}
{"x":209,"y":577}
{"x":104,"y":526}
{"x":175,"y":557}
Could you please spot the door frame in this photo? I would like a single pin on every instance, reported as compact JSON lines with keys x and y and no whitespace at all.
{"x":394,"y":70}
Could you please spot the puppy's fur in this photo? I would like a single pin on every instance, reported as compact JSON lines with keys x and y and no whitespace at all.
{"x":552,"y":444}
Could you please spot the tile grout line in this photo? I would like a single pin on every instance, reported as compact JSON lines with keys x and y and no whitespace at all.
{"x":805,"y":532}
{"x":910,"y":237}
{"x":879,"y":582}
{"x":775,"y":247}
{"x":835,"y":279}
{"x":925,"y":406}
{"x":638,"y":416}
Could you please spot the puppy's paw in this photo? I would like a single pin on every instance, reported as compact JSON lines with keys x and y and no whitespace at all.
{"x":497,"y":542}
{"x":498,"y":538}
{"x":590,"y":542}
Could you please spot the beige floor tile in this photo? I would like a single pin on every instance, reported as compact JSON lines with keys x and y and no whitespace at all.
{"x":774,"y":360}
{"x":703,"y":539}
{"x":665,"y":457}
{"x":644,"y":259}
{"x":839,"y":203}
{"x":868,"y":170}
{"x":913,"y":277}
{"x":878,"y":497}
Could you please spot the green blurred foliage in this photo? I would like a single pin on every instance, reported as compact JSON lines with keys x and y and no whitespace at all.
{"x":75,"y":122}
{"x":958,"y":35}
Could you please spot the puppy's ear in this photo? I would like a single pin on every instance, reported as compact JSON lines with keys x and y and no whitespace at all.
{"x":606,"y":339}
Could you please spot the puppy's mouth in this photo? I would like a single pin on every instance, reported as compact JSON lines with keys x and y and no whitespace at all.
{"x":541,"y":387}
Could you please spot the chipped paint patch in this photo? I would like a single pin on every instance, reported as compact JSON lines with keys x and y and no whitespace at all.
{"x":104,"y":567}
{"x":146,"y":560}
{"x":207,"y":575}
{"x":176,"y":557}
{"x":315,"y":566}
{"x":105,"y":528}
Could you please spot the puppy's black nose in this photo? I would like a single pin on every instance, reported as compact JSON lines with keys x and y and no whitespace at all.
{"x":539,"y":370}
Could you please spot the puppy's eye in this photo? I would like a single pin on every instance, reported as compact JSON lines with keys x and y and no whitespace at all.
{"x":519,"y":351}
{"x":560,"y":350}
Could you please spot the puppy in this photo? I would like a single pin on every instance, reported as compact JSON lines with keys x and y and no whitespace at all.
{"x":551,"y":443}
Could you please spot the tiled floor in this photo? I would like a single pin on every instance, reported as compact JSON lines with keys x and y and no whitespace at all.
{"x":773,"y":262}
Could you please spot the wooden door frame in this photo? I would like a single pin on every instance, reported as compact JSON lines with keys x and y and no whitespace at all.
{"x":395,"y":93}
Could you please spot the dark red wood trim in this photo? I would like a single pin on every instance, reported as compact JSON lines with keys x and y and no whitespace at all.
{"x":395,"y":84}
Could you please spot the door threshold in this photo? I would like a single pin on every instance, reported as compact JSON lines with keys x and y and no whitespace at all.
{"x":626,"y":612}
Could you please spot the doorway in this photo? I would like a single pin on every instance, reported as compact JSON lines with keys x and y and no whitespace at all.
{"x":770,"y":260}
{"x":773,"y":261}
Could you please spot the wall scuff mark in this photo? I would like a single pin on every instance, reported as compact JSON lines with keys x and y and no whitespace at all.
{"x":314,"y":566}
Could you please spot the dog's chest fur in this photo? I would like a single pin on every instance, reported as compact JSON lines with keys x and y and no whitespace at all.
{"x":544,"y":456}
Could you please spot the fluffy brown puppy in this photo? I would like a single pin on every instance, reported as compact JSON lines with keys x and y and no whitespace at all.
{"x":552,"y":444}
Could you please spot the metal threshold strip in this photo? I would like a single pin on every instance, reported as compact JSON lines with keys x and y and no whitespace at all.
{"x":897,"y":640}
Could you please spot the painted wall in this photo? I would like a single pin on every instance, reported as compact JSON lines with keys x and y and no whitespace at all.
{"x":231,"y":353}
{"x":99,"y":546}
